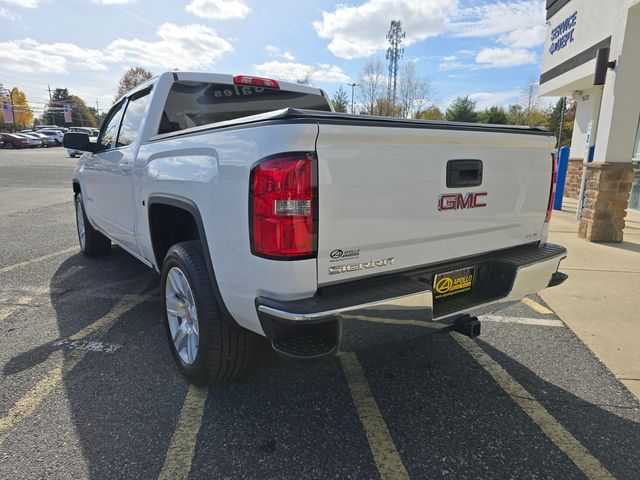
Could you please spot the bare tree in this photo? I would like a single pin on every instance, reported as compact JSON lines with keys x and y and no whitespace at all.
{"x":131,"y":79}
{"x":414,"y":92}
{"x":529,"y":98}
{"x":305,"y":77}
{"x":371,"y":86}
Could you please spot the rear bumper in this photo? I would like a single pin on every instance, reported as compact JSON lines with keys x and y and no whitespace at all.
{"x":406,"y":299}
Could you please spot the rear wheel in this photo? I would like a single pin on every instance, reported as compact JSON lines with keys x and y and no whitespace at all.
{"x":92,"y":242}
{"x":207,"y":348}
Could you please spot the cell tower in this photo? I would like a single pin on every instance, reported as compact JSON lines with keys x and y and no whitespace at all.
{"x":394,"y":54}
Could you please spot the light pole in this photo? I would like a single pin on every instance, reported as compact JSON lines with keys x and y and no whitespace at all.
{"x":353,"y":86}
{"x":13,"y":112}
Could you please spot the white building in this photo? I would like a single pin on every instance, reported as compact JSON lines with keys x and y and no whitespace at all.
{"x":607,"y":116}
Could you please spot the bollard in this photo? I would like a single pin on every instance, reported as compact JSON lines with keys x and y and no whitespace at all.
{"x":563,"y":165}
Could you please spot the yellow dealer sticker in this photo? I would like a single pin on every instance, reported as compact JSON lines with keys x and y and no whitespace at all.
{"x":453,"y":283}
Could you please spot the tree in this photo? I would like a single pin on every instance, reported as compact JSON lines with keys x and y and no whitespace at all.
{"x":371,"y":86}
{"x":131,"y":79}
{"x":495,"y":114}
{"x":431,"y":113}
{"x":555,"y":116}
{"x":515,"y":115}
{"x":462,"y":109}
{"x":340,"y":100}
{"x":530,"y":102}
{"x":414,"y":92}
{"x":80,"y":113}
{"x":23,"y":115}
{"x":306,"y":76}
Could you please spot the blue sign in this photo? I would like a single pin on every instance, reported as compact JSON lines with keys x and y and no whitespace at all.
{"x":562,"y":35}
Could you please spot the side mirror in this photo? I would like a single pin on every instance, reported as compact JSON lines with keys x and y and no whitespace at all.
{"x":78,"y":141}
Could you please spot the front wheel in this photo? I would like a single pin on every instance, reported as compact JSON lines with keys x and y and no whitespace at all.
{"x":206,"y":347}
{"x":92,"y":242}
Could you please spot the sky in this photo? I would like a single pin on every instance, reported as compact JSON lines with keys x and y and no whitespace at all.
{"x":488,"y":50}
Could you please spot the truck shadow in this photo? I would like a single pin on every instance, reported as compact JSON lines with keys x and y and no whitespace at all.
{"x":298,"y":420}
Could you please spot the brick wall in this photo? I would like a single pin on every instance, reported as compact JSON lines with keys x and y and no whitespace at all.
{"x":574,"y":176}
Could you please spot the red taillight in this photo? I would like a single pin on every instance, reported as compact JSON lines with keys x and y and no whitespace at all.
{"x":255,"y":81}
{"x":283,"y":203}
{"x":552,"y":193}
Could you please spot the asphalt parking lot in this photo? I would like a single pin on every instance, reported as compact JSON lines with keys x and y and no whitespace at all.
{"x":88,"y":387}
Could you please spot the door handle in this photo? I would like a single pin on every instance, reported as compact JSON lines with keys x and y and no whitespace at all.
{"x":124,"y":167}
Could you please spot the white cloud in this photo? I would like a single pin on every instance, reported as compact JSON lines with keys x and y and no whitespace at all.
{"x":28,"y":55}
{"x":113,"y":2}
{"x":276,"y":52}
{"x":294,"y":71}
{"x":489,"y":99}
{"x":449,"y":58}
{"x":184,"y":47}
{"x":502,"y":20}
{"x":360,"y":31}
{"x":219,"y":9}
{"x":504,"y":57}
{"x":4,"y":13}
{"x":24,"y":3}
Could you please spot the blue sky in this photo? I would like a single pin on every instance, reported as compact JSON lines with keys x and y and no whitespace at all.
{"x":486,"y":49}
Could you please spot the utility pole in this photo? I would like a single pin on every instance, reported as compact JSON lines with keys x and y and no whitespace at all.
{"x":13,"y":112}
{"x":564,"y":107}
{"x":394,"y":54}
{"x":50,"y":106}
{"x":353,"y":86}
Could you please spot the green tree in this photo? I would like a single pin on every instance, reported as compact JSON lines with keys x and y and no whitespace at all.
{"x":495,"y":114}
{"x":131,"y":79}
{"x":515,"y":115}
{"x":462,"y":109}
{"x":555,"y":115}
{"x":80,"y":113}
{"x":431,"y":113}
{"x":340,"y":100}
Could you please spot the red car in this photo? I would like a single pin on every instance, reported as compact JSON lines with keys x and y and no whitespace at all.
{"x":8,"y":140}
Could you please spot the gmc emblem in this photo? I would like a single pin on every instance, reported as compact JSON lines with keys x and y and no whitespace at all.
{"x":458,"y":201}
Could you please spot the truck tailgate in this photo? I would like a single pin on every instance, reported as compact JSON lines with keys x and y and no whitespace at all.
{"x":380,"y":188}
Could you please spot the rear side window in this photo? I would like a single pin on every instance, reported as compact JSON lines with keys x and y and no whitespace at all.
{"x":133,"y":118}
{"x":191,"y":104}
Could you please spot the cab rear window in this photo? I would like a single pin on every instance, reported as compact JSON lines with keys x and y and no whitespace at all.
{"x":192,"y":104}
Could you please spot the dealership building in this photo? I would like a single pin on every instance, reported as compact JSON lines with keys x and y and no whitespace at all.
{"x":592,"y":54}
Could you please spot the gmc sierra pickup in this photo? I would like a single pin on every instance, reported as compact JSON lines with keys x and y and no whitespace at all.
{"x":268,"y":213}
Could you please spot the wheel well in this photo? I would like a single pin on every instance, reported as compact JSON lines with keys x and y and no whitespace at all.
{"x":169,"y":225}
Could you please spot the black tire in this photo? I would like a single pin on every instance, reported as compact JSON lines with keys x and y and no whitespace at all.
{"x":224,"y":348}
{"x":95,"y":243}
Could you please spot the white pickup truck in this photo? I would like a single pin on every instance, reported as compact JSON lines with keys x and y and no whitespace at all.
{"x":266,"y":212}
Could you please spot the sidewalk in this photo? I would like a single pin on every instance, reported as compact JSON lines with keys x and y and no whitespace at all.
{"x":600,"y":301}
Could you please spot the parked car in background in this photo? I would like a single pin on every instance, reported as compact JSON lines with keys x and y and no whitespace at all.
{"x":54,"y":127}
{"x":9,"y":140}
{"x":57,"y":135}
{"x":46,"y":140}
{"x":32,"y":140}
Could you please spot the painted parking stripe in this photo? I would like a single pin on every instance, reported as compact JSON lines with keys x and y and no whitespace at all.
{"x":545,"y":322}
{"x":21,"y":301}
{"x":29,"y":402}
{"x":536,"y":306}
{"x":37,"y":259}
{"x":560,"y":436}
{"x":383,"y":449}
{"x":177,"y":463}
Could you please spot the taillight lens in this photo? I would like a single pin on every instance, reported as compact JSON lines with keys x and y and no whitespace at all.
{"x":552,"y":192}
{"x":283,"y":204}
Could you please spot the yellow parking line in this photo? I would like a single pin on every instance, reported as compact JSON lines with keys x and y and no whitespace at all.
{"x":177,"y":463}
{"x":37,"y":259}
{"x":385,"y":454}
{"x":560,"y":436}
{"x":23,"y":301}
{"x":34,"y":397}
{"x":5,"y":312}
{"x":536,"y":306}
